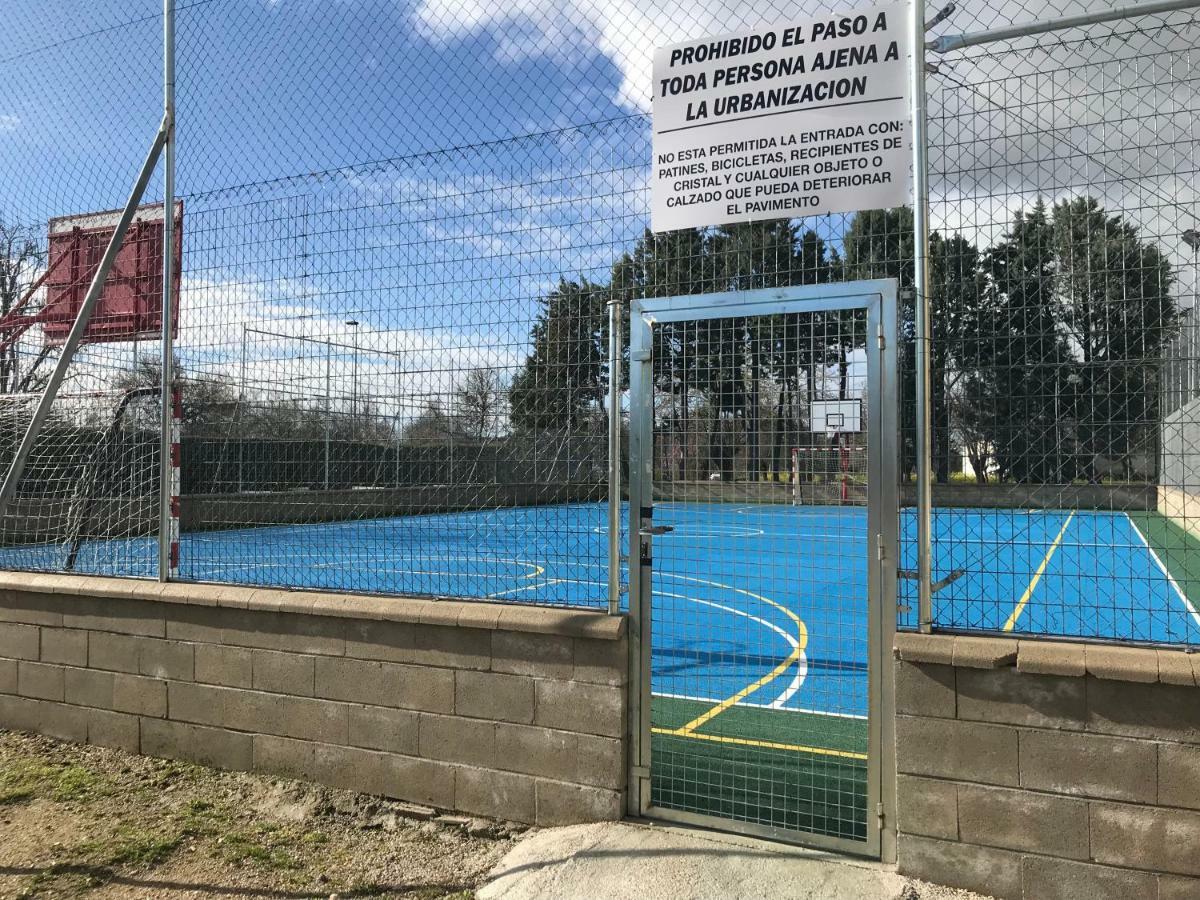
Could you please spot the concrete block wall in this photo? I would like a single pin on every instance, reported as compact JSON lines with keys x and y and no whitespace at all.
{"x":1033,"y":770}
{"x":512,"y":712}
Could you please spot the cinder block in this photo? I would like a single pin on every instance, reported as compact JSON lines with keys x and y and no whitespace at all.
{"x":284,"y":673}
{"x":418,"y":780}
{"x":925,"y":690}
{"x":167,"y":659}
{"x":937,"y":649}
{"x":8,"y":676}
{"x":1051,"y":658}
{"x":40,"y":681}
{"x":966,"y":751}
{"x":19,"y":641}
{"x":386,"y":684}
{"x":1135,"y":664}
{"x":376,"y":728}
{"x":1179,"y":775}
{"x":490,"y":695}
{"x":499,"y":795}
{"x":139,"y":696}
{"x":384,"y":641}
{"x":1089,"y":765}
{"x":601,"y":662}
{"x":68,"y":723}
{"x":283,"y":756}
{"x":114,"y":652}
{"x":984,"y":652}
{"x":585,"y":708}
{"x":198,"y":624}
{"x":541,"y":655}
{"x":560,"y":755}
{"x":1146,"y":837}
{"x":195,"y":703}
{"x":64,"y":646}
{"x":1154,"y":711}
{"x":138,"y":617}
{"x":194,"y":743}
{"x":1023,"y":820}
{"x":1011,"y":697}
{"x":571,"y":804}
{"x":348,"y":768}
{"x":1175,"y":667}
{"x":1061,"y":879}
{"x":452,"y":647}
{"x":288,"y":632}
{"x":29,"y":608}
{"x":113,"y":729}
{"x":228,"y":666}
{"x":985,"y":870}
{"x":294,"y":717}
{"x":89,"y":687}
{"x":1172,"y":887}
{"x":457,"y":739}
{"x":927,"y":807}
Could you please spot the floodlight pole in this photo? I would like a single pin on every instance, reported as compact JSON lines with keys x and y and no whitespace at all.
{"x":17,"y":468}
{"x":924,"y":438}
{"x":169,"y":431}
{"x":614,"y":457}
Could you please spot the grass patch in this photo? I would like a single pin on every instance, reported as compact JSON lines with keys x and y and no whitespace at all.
{"x":22,"y":780}
{"x":267,"y":849}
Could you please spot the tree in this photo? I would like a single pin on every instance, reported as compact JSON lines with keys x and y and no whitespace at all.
{"x":1114,"y":293}
{"x":20,"y":257}
{"x":480,"y":401}
{"x":564,"y":379}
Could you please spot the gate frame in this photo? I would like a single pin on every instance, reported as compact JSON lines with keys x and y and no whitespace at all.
{"x":878,"y":298}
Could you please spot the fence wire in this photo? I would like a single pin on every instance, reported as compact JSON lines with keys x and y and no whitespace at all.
{"x":403,"y":223}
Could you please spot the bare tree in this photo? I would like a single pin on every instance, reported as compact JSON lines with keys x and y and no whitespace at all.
{"x":21,"y":256}
{"x":479,"y":402}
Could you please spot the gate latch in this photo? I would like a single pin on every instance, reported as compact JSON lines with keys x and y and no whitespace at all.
{"x":655,"y":530}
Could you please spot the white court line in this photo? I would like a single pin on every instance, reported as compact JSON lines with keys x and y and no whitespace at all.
{"x":801,"y":663}
{"x":525,"y":587}
{"x":1162,"y":568}
{"x":813,"y":712}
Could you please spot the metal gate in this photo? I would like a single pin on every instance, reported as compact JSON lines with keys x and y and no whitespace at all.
{"x":763,"y":515}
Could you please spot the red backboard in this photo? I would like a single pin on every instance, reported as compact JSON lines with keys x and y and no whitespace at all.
{"x":130,"y":305}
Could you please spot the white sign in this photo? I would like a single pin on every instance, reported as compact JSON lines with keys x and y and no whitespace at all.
{"x":798,"y":119}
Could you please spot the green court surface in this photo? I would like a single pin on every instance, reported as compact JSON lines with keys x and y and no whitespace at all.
{"x":1176,"y":547}
{"x":780,"y":768}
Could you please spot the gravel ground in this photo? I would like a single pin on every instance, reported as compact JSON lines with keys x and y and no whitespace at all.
{"x":79,"y":821}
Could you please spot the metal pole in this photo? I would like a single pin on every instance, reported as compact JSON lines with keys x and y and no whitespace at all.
{"x":614,"y":457}
{"x":168,"y":522}
{"x":924,"y":437}
{"x":75,"y":337}
{"x":948,"y":42}
{"x":241,"y":407}
{"x":328,"y":405}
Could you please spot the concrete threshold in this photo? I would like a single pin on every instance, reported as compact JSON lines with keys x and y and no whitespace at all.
{"x":639,"y":861}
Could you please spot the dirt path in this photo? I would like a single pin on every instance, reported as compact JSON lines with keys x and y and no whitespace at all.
{"x":88,"y":822}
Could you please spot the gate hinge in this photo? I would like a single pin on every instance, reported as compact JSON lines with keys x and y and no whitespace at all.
{"x":879,"y":815}
{"x":879,"y":554}
{"x":879,"y":336}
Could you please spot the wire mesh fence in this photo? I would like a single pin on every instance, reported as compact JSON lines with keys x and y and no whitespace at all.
{"x":403,"y":224}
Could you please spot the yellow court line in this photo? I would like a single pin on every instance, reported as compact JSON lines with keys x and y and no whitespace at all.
{"x":763,"y":745}
{"x":794,"y":657}
{"x":1037,"y":576}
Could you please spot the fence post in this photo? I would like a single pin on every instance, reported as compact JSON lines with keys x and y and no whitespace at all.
{"x":614,"y":457}
{"x":168,"y":491}
{"x":923,"y":442}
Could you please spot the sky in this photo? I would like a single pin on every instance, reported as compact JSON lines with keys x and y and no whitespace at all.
{"x":429,"y":168}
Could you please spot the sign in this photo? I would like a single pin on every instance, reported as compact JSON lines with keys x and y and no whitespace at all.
{"x":797,"y":119}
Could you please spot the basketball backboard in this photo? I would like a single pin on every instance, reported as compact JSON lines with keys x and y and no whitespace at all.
{"x":835,"y":416}
{"x":130,"y":306}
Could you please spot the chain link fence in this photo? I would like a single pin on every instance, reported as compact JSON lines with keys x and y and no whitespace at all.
{"x":402,"y":225}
